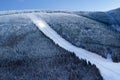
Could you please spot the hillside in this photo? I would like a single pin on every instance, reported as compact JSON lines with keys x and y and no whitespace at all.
{"x":57,"y":45}
{"x":26,"y":53}
{"x":86,"y":33}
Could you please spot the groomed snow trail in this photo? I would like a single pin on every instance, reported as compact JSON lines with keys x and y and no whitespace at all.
{"x":108,"y":69}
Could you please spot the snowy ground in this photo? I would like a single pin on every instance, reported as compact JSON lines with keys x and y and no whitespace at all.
{"x":109,"y":70}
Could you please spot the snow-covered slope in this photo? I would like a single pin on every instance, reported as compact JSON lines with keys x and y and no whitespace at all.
{"x":85,"y":33}
{"x":108,"y":69}
{"x":26,"y":53}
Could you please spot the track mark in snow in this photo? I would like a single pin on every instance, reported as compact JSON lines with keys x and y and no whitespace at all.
{"x":108,"y":69}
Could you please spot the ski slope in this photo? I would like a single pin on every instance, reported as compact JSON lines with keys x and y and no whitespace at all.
{"x":108,"y":69}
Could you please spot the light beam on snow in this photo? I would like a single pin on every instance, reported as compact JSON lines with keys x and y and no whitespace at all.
{"x":41,"y":23}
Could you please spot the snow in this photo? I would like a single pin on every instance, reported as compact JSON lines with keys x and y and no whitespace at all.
{"x":108,"y":69}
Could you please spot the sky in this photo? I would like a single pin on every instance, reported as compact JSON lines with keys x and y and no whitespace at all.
{"x":70,"y":5}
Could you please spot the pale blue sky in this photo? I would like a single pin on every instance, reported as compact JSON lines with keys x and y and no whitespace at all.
{"x":79,"y":5}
